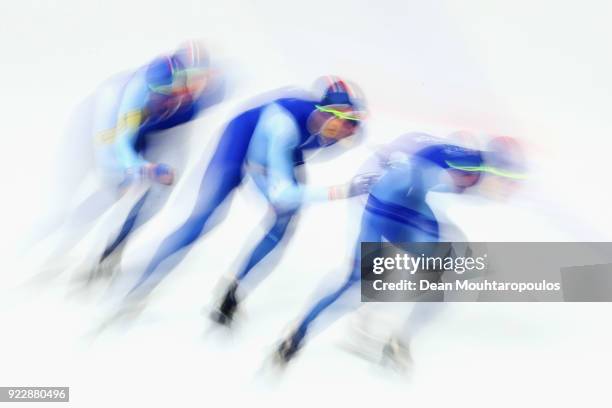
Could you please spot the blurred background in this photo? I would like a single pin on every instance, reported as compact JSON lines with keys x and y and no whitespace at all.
{"x":536,"y":70}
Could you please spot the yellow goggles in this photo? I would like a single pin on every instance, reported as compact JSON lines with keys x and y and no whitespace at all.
{"x":337,"y":113}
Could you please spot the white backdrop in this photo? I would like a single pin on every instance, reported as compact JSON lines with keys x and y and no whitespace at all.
{"x":538,"y":70}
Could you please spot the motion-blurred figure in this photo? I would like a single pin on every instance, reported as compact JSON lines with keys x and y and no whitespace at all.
{"x":267,"y":142}
{"x":126,"y":112}
{"x":396,"y":211}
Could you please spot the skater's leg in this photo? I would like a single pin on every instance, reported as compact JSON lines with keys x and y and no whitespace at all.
{"x":268,"y":243}
{"x":293,"y":343}
{"x":281,"y":229}
{"x":110,"y":222}
{"x":223,"y":174}
{"x":324,"y":303}
{"x":224,"y":312}
{"x":370,"y":232}
{"x":396,"y":352}
{"x":425,"y":309}
{"x":126,"y":228}
{"x":214,"y":189}
{"x":374,"y":228}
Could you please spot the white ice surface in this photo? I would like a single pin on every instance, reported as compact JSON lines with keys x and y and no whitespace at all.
{"x":538,"y":70}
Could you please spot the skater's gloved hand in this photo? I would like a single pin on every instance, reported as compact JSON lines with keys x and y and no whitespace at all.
{"x":159,"y":173}
{"x":362,"y":183}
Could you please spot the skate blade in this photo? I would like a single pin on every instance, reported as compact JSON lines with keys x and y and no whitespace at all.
{"x":272,"y":370}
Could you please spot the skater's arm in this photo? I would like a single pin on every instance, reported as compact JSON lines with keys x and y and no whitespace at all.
{"x":284,"y":191}
{"x":283,"y":138}
{"x":129,"y":120}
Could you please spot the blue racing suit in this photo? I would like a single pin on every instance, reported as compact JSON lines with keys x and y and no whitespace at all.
{"x":268,"y":141}
{"x":396,"y":209}
{"x":127,"y":115}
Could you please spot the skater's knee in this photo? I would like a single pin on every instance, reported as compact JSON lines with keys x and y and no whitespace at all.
{"x":188,"y":232}
{"x":285,"y":206}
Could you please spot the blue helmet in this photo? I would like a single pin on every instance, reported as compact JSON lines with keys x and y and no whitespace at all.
{"x":161,"y":73}
{"x":338,"y":92}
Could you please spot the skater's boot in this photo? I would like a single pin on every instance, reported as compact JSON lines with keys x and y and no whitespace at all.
{"x":396,"y":354}
{"x":224,"y":313}
{"x":287,"y":350}
{"x":107,"y":267}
